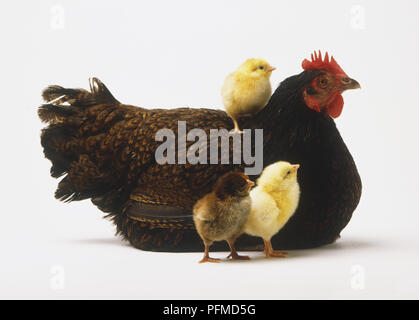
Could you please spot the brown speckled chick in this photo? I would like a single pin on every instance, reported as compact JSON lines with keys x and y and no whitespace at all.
{"x":222,"y":214}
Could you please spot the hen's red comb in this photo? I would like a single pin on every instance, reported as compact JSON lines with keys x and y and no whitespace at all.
{"x":318,"y":63}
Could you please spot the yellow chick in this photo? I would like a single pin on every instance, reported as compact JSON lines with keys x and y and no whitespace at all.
{"x":247,"y":90}
{"x":274,"y":201}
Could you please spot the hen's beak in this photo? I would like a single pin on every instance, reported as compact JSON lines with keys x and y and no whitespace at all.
{"x":348,"y":83}
{"x":270,"y":69}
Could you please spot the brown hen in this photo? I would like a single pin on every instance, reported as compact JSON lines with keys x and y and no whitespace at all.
{"x":106,"y":151}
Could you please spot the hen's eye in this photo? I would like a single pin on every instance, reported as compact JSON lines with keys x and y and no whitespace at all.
{"x":323,"y":82}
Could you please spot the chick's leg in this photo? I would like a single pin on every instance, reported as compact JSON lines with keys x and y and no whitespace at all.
{"x":236,"y":127}
{"x":206,"y":257}
{"x":270,"y":252}
{"x":233,"y":254}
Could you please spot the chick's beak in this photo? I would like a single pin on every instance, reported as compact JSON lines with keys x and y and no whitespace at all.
{"x":270,"y":69}
{"x":250,"y":183}
{"x":348,"y":83}
{"x":295,"y":167}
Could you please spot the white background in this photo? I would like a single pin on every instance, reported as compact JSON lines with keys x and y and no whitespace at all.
{"x":177,"y":53}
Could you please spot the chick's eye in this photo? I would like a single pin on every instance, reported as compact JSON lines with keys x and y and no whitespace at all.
{"x":261,"y":67}
{"x":288,"y":172}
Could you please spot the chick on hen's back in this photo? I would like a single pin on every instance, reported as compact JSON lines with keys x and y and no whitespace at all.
{"x":247,"y":90}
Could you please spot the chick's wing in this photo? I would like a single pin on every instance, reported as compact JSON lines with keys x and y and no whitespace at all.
{"x":264,"y":208}
{"x":204,"y":209}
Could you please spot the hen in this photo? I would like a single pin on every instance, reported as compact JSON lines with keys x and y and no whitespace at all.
{"x":106,"y":150}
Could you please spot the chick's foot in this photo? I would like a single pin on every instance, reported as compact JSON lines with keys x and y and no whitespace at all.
{"x":235,"y":131}
{"x":270,"y":252}
{"x":233,"y":254}
{"x":236,"y":256}
{"x":208,"y":259}
{"x":236,"y":128}
{"x":276,"y":254}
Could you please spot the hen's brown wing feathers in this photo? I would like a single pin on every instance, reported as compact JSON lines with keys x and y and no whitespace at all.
{"x":106,"y":149}
{"x":169,"y":183}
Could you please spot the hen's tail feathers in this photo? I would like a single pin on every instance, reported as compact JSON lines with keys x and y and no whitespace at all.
{"x":64,"y":102}
{"x":65,"y":138}
{"x":84,"y":180}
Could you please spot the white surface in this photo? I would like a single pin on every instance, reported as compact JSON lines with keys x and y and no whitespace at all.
{"x":176,"y":54}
